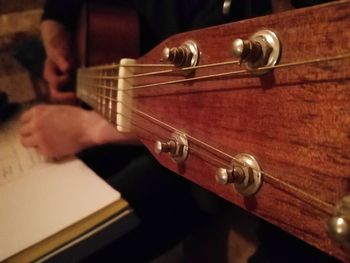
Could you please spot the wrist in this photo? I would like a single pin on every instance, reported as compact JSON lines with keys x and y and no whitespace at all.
{"x":98,"y":131}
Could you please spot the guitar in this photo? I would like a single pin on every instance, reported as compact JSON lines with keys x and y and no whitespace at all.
{"x":268,"y":130}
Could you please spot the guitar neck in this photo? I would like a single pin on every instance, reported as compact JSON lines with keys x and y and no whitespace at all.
{"x":108,"y":90}
{"x":97,"y":89}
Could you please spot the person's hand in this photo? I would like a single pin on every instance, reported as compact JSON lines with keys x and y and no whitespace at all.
{"x":59,"y":62}
{"x":55,"y":131}
{"x":58,"y":131}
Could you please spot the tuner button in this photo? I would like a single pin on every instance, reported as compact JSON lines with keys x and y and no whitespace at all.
{"x":247,"y":50}
{"x":166,"y":54}
{"x":176,"y":55}
{"x":262,"y":49}
{"x":223,"y":176}
{"x":176,"y":146}
{"x":338,"y":225}
{"x":339,"y":229}
{"x":165,"y":147}
{"x":230,"y":176}
{"x":238,"y":47}
{"x":186,"y":55}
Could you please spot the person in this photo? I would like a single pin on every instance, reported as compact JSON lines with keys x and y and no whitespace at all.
{"x":164,"y":201}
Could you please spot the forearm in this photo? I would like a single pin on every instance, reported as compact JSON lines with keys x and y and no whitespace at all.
{"x":55,"y":36}
{"x":58,"y":25}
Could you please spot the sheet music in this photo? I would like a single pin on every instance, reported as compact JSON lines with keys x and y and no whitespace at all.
{"x":39,"y":198}
{"x":14,"y":158}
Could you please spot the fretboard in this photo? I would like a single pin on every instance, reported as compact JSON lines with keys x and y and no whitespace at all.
{"x":105,"y":90}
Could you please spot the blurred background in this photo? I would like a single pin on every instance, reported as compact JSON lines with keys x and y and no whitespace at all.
{"x":21,"y":51}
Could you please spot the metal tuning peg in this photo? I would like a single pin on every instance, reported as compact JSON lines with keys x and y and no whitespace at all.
{"x":261,"y":50}
{"x":230,"y":176}
{"x":245,"y":175}
{"x":176,"y":147}
{"x":186,"y":55}
{"x":338,"y":226}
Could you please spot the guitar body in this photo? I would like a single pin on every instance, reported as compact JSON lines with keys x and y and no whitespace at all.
{"x":107,"y":32}
{"x":294,"y":120}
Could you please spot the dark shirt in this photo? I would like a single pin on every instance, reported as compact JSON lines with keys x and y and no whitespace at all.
{"x":160,"y":19}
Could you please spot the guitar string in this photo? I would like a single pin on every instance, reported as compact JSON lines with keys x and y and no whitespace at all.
{"x":264,"y":68}
{"x":116,"y":66}
{"x":232,"y":158}
{"x":247,"y":71}
{"x":106,"y":87}
{"x":158,"y":121}
{"x":232,"y":73}
{"x":326,"y":205}
{"x":108,"y":98}
{"x":94,"y":99}
{"x":175,"y":70}
{"x":227,"y":163}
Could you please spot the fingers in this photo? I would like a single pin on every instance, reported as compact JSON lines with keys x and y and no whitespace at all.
{"x":29,"y":141}
{"x":29,"y":119}
{"x":33,"y":141}
{"x":30,"y":129}
{"x":26,"y":117}
{"x":26,"y":129}
{"x":54,"y":75}
{"x":33,"y":112}
{"x":57,"y":81}
{"x":64,"y":64}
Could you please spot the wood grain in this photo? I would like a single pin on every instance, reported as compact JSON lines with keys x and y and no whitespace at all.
{"x":295,"y":121}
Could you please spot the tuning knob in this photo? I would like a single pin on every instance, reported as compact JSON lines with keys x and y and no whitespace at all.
{"x":247,"y":50}
{"x":338,"y":225}
{"x":165,"y":147}
{"x":186,"y":55}
{"x":262,"y":49}
{"x":177,"y":147}
{"x":230,"y":176}
{"x":245,"y":175}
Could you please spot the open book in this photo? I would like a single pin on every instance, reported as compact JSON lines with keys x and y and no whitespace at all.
{"x":46,"y":206}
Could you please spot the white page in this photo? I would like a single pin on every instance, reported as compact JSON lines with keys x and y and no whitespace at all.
{"x":14,"y":158}
{"x":46,"y":199}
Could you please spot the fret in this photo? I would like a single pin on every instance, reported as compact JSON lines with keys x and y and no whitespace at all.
{"x":110,"y":98}
{"x":107,"y":93}
{"x":103,"y":81}
{"x":98,"y":90}
{"x":114,"y":94}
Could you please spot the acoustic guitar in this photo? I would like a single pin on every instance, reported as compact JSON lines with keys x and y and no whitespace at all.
{"x":256,"y":111}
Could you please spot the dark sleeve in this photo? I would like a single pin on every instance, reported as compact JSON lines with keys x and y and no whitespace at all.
{"x":63,"y":11}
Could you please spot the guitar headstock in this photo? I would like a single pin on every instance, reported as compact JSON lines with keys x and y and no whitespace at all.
{"x":275,"y":120}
